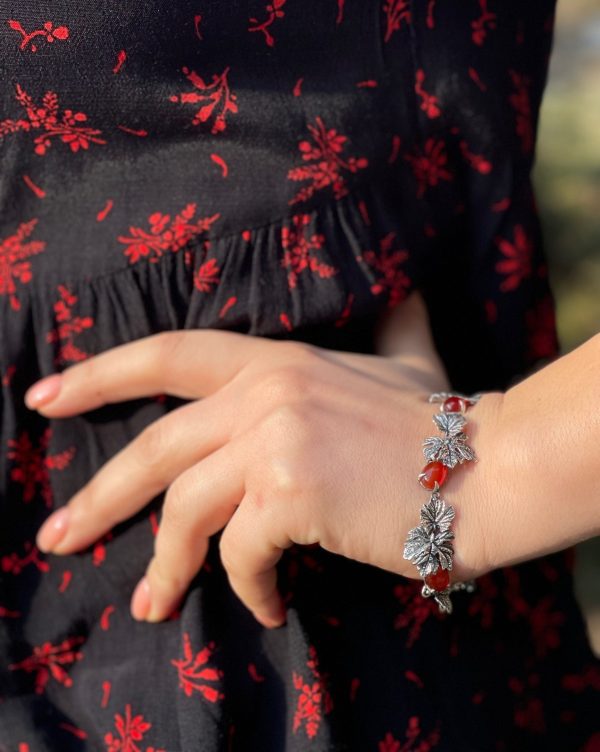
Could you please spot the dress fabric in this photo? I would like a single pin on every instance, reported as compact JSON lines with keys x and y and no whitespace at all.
{"x":290,"y":170}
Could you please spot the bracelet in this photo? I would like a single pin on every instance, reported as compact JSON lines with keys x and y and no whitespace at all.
{"x":429,"y":545}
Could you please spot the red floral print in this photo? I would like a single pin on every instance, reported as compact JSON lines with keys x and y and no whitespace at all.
{"x":46,"y":118}
{"x":480,"y":26}
{"x":15,"y":251}
{"x":588,"y":679}
{"x":49,"y":660}
{"x":545,"y":626}
{"x":481,"y":603}
{"x":299,"y":250}
{"x":541,"y":330}
{"x":477,"y":161}
{"x":415,"y":611}
{"x":396,"y":12}
{"x":529,"y":710}
{"x":15,"y":564}
{"x":216,"y":97}
{"x":130,"y":729}
{"x":206,"y":277}
{"x":314,"y":699}
{"x":69,"y":326}
{"x":165,"y":235}
{"x":33,"y":465}
{"x":411,"y":743}
{"x":48,"y":31}
{"x":327,"y":163}
{"x":274,"y":11}
{"x":517,"y":262}
{"x":391,"y":278}
{"x":194,"y":673}
{"x":429,"y":103}
{"x":429,"y":165}
{"x":521,"y":102}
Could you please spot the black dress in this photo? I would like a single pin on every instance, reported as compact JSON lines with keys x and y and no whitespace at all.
{"x":291,"y":170}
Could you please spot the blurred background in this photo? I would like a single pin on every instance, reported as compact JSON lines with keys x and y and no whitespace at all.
{"x":567,"y":179}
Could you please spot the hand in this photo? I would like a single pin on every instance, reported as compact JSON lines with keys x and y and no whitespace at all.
{"x":282,"y":442}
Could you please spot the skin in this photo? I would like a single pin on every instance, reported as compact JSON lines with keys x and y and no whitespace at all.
{"x":283,"y":442}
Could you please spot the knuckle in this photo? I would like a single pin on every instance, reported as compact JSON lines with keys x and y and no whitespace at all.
{"x":167,"y":345}
{"x":287,"y":383}
{"x":164,"y":576}
{"x":176,"y":512}
{"x":152,"y":446}
{"x":226,"y":554}
{"x":292,"y":426}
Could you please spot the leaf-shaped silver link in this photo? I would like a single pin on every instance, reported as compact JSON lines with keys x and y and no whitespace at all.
{"x":450,"y":423}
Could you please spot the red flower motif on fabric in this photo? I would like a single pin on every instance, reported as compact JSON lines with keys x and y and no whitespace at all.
{"x":15,"y":564}
{"x":545,"y":625}
{"x":14,"y":266}
{"x":480,"y":26}
{"x":517,"y":262}
{"x":521,"y":103}
{"x":46,"y":118}
{"x":49,"y":660}
{"x":274,"y":11}
{"x":299,"y":250}
{"x":429,"y":103}
{"x":327,"y":163}
{"x":48,"y":31}
{"x":314,"y":699}
{"x":391,"y":278}
{"x":587,"y":679}
{"x":194,"y":673}
{"x":413,"y":731}
{"x":216,"y":98}
{"x":207,"y":277}
{"x":396,"y":12}
{"x":33,"y":465}
{"x":69,"y":326}
{"x":481,"y":602}
{"x":542,"y":338}
{"x":130,"y":729}
{"x":415,"y":610}
{"x":165,"y":234}
{"x":529,"y":709}
{"x":429,"y":165}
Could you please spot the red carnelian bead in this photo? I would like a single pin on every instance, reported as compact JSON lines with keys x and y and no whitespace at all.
{"x":455,"y":405}
{"x":432,"y":472}
{"x":439,"y":580}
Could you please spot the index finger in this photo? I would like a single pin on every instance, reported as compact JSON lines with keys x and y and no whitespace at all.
{"x":184,"y":363}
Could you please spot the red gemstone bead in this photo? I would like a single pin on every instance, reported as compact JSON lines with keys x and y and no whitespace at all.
{"x":438,"y":580}
{"x":455,"y":405}
{"x":432,"y":472}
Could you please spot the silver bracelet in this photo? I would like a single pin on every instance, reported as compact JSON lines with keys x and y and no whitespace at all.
{"x":429,"y":545}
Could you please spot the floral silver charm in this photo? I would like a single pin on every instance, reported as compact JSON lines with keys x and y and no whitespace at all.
{"x":428,"y":545}
{"x":450,"y":448}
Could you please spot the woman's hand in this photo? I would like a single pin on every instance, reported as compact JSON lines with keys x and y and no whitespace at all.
{"x":282,"y":443}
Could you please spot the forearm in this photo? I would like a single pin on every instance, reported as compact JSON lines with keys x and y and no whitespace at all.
{"x":547,"y":465}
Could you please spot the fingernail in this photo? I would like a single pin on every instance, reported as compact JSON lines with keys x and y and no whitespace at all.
{"x":140,"y":601}
{"x":53,"y":529}
{"x":43,"y":391}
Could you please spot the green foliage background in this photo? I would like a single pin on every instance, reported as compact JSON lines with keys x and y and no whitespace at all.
{"x":567,"y":179}
{"x":567,"y":172}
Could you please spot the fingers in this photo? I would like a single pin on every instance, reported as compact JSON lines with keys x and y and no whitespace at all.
{"x":251,"y":545}
{"x":185,"y":363}
{"x":198,"y":504}
{"x":140,"y":471}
